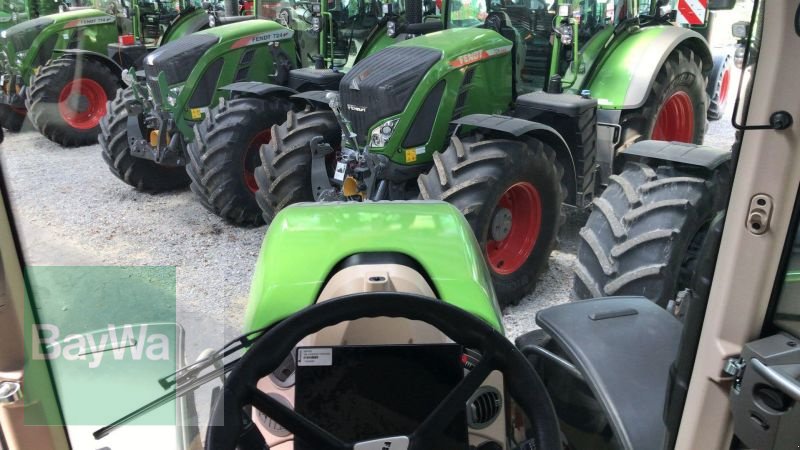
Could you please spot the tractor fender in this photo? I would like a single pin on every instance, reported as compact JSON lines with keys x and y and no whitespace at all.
{"x":257,"y":89}
{"x":517,"y":127}
{"x":88,"y":54}
{"x":625,"y":77}
{"x":708,"y":158}
{"x":314,"y":98}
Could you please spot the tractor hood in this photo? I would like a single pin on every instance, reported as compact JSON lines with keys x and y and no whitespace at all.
{"x":178,"y":58}
{"x":242,"y":34}
{"x":381,"y":85}
{"x":21,"y":36}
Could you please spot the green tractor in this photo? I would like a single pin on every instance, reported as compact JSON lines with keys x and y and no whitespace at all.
{"x":147,"y":135}
{"x":61,"y":68}
{"x":505,"y":120}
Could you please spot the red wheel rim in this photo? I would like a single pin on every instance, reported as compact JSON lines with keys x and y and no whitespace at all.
{"x":723,"y":86}
{"x":515,"y":227}
{"x":82,"y":103}
{"x":675,"y":120}
{"x":253,"y":160}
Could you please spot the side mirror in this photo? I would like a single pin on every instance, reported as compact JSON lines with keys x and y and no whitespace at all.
{"x":740,"y":30}
{"x":716,"y":5}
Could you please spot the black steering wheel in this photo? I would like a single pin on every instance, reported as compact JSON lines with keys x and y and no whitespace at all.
{"x":269,"y":351}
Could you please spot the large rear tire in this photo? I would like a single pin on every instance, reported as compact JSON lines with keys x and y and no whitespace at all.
{"x":142,"y":174}
{"x":225,"y":154}
{"x":675,"y":109}
{"x":510,"y":193}
{"x":644,"y":233}
{"x":11,"y":119}
{"x":284,"y":176}
{"x":68,"y":99}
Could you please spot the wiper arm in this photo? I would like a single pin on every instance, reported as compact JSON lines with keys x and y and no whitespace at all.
{"x":180,"y":391}
{"x":187,"y":379}
{"x":193,"y":369}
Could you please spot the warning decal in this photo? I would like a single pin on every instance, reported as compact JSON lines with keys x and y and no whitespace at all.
{"x":692,"y":12}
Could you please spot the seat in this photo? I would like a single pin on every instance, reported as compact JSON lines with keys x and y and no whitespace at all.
{"x":623,"y":347}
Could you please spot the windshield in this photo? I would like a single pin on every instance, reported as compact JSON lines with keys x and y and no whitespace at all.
{"x":149,"y":225}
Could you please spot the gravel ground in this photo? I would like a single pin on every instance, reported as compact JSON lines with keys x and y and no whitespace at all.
{"x":72,"y":211}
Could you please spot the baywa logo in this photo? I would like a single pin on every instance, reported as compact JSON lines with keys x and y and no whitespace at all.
{"x":119,"y":343}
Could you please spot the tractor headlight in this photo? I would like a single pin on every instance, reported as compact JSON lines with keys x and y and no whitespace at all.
{"x":391,"y":28}
{"x":381,"y":134}
{"x":316,"y":24}
{"x":174,"y":92}
{"x":21,"y":56}
{"x":3,"y":34}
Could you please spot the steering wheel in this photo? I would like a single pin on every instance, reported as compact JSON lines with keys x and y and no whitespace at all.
{"x":269,"y":351}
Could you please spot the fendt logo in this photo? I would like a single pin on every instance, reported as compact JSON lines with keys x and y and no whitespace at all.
{"x":90,"y":21}
{"x":270,"y":36}
{"x":356,"y":108}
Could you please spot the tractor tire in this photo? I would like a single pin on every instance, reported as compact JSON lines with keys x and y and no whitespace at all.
{"x":510,"y":192}
{"x":142,"y":174}
{"x":675,"y":109}
{"x":11,"y":119}
{"x":225,"y":154}
{"x":718,"y":85}
{"x":284,"y":176}
{"x":68,"y":99}
{"x":644,"y":233}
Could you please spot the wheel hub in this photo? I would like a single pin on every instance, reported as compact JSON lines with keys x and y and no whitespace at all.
{"x":501,"y":224}
{"x":675,"y":119}
{"x":514,"y":228}
{"x":78,"y":103}
{"x":82,"y":103}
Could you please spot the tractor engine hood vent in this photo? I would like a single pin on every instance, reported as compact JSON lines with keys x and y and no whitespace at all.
{"x":381,"y":85}
{"x":178,"y":58}
{"x":21,"y":36}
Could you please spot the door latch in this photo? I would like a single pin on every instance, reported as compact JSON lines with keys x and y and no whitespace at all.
{"x":760,"y":214}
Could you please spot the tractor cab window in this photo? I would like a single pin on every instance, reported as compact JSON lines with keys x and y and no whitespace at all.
{"x":467,"y":13}
{"x":532,"y":21}
{"x":284,"y":12}
{"x":595,"y":16}
{"x":350,"y":23}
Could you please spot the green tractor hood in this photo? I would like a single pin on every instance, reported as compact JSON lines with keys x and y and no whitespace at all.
{"x":241,"y":34}
{"x":305,"y":242}
{"x":21,"y":37}
{"x":394,"y":83}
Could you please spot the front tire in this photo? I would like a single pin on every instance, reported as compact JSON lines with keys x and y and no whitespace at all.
{"x":675,"y":109}
{"x":284,"y":176}
{"x":68,"y":99}
{"x":510,"y":193}
{"x":142,"y":174}
{"x":225,"y":154}
{"x":644,"y":233}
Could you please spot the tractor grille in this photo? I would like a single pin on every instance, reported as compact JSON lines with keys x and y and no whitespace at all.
{"x":178,"y":58}
{"x":382,"y":84}
{"x":21,"y":36}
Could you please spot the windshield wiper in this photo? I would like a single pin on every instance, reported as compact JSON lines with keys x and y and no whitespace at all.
{"x":188,"y":379}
